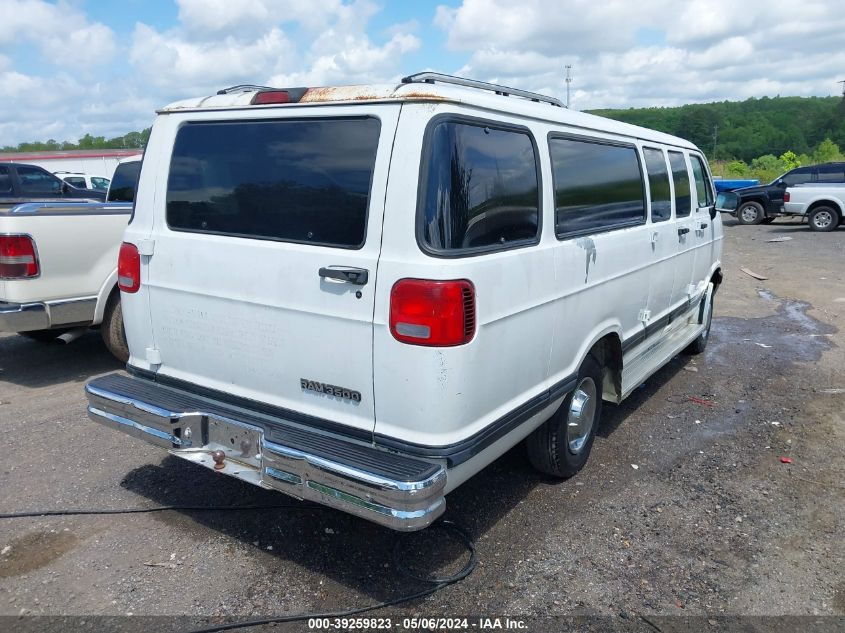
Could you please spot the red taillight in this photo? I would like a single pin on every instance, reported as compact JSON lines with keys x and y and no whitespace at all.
{"x":129,"y":268}
{"x":271,"y":96}
{"x":432,"y":313}
{"x":786,"y":196}
{"x":18,"y":259}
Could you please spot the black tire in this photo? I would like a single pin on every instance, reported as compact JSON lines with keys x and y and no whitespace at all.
{"x":43,"y":336}
{"x":700,"y":343}
{"x":823,"y":218}
{"x":768,"y":220}
{"x":750,"y":213}
{"x":550,"y":447}
{"x":114,"y":336}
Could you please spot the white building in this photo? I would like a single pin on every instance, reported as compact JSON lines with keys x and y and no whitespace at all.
{"x":84,"y":161}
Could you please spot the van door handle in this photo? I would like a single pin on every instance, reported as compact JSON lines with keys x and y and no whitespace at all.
{"x":704,"y":225}
{"x":683,"y":231}
{"x":357,"y":276}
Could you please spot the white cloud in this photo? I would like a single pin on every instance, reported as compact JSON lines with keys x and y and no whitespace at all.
{"x":172,"y":61}
{"x":61,"y":31}
{"x":713,"y":50}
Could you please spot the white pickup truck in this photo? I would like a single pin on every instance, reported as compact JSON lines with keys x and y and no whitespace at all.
{"x":58,"y":270}
{"x":823,"y":204}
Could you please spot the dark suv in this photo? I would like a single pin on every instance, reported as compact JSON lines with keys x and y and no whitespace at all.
{"x":763,"y":203}
{"x":21,"y":183}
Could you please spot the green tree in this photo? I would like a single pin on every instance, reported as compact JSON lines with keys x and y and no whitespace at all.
{"x":827,"y":152}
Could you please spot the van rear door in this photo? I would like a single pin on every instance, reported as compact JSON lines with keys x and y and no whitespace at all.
{"x":265,"y":250}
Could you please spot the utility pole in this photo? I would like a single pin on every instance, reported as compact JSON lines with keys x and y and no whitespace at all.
{"x":568,"y":81}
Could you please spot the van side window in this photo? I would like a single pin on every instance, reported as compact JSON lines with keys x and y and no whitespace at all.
{"x":658,"y":183}
{"x":479,"y":189}
{"x":680,"y":176}
{"x":598,"y":186}
{"x":293,"y":180}
{"x":703,"y":188}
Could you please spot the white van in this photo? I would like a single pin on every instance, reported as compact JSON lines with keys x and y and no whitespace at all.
{"x":362,"y":296}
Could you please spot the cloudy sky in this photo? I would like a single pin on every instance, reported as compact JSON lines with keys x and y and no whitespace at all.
{"x":92,"y":66}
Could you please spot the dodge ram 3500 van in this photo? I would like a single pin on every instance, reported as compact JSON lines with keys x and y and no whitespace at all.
{"x":362,"y":296}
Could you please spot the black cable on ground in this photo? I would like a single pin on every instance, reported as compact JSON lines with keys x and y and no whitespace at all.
{"x":436,"y":583}
{"x":71,"y":512}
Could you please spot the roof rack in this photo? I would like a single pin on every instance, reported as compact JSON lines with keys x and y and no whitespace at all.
{"x":431,"y":78}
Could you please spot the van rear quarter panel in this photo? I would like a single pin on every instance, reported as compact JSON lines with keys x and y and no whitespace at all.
{"x":539,"y":308}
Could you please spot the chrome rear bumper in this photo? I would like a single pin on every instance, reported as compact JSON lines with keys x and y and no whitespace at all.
{"x":23,"y":317}
{"x":397,"y":491}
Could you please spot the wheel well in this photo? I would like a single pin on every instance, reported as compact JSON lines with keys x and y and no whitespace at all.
{"x":716,"y":279}
{"x":608,"y":351}
{"x":825,"y":203}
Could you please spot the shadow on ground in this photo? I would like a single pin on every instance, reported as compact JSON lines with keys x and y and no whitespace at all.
{"x":34,"y":364}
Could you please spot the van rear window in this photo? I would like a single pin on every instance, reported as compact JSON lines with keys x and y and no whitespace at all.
{"x":480,"y":189}
{"x":304,"y":180}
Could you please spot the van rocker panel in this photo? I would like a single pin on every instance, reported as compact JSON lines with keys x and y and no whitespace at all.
{"x":400,"y":492}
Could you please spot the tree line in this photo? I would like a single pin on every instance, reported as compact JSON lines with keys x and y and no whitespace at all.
{"x":132,"y":140}
{"x":755,"y":138}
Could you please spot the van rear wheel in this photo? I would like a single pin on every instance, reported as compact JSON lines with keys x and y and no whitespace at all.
{"x":561,"y":446}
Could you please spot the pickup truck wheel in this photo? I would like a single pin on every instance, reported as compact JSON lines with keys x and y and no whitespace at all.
{"x":823,"y":219}
{"x":561,"y":446}
{"x":114,"y":336}
{"x":750,"y":213}
{"x":43,"y":336}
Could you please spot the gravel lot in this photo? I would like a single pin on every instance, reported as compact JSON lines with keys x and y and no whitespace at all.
{"x":685,"y":508}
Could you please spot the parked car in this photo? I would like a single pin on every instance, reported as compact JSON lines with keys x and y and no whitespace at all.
{"x":58,"y":271}
{"x":21,"y":183}
{"x":83,"y":181}
{"x":762,"y":204}
{"x":823,"y":204}
{"x":125,"y":180}
{"x":362,"y":296}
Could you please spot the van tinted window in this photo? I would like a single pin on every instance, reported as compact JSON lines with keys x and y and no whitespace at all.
{"x":597,"y":186}
{"x":703,"y":188}
{"x":305,"y":181}
{"x":680,"y":177}
{"x":479,"y":189}
{"x":124,"y":182}
{"x":658,"y":184}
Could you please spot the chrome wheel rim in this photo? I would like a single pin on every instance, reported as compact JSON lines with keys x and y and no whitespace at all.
{"x":579,"y":419}
{"x":823,"y":219}
{"x":749,"y":213}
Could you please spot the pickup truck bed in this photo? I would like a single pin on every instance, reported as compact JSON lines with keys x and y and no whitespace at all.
{"x":75,"y":246}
